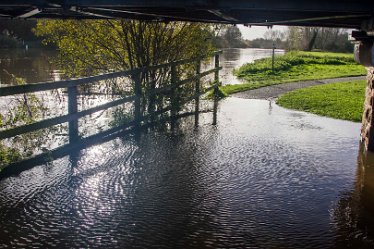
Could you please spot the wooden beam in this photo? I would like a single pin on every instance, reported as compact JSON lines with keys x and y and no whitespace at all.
{"x":362,"y":6}
{"x":224,"y":16}
{"x":45,"y":86}
{"x":61,"y":119}
{"x":30,"y":13}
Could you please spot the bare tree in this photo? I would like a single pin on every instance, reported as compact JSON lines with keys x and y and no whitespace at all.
{"x":309,"y":38}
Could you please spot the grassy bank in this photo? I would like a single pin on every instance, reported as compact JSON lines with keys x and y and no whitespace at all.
{"x":339,"y":100}
{"x":295,"y":66}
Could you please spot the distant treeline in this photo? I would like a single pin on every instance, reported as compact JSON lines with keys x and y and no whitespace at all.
{"x":314,"y":38}
{"x":295,"y":38}
{"x":231,"y":37}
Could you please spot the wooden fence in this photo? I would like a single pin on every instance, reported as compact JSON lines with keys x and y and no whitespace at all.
{"x":74,"y":115}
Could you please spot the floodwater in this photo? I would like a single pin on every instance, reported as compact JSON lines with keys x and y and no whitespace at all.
{"x":262,"y":177}
{"x":34,"y":65}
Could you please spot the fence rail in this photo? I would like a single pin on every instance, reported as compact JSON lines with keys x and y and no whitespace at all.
{"x":45,"y":86}
{"x":72,"y":89}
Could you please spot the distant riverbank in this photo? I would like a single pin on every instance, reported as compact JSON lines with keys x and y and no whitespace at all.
{"x":293,"y":67}
{"x":232,"y":58}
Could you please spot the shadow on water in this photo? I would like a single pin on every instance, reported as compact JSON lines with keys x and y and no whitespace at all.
{"x":129,"y":129}
{"x":134,"y":183}
{"x":354,"y":212}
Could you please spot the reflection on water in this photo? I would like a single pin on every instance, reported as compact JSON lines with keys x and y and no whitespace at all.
{"x":354,"y":212}
{"x":262,"y":177}
{"x":32,"y":65}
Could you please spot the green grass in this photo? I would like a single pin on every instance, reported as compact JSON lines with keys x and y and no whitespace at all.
{"x":220,"y":94}
{"x":8,"y":155}
{"x":295,"y":66}
{"x":343,"y":100}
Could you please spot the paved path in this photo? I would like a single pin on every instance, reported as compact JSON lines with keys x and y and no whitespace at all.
{"x":274,"y":91}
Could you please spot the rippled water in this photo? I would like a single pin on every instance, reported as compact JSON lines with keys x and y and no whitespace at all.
{"x":263,"y":177}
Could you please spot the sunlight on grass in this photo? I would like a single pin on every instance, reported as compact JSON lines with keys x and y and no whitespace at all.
{"x":295,"y":66}
{"x":343,"y":100}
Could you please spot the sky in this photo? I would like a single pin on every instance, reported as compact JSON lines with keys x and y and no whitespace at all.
{"x":256,"y":31}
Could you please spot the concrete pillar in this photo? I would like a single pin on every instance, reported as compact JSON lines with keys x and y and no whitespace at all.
{"x":364,"y":54}
{"x":367,"y":130}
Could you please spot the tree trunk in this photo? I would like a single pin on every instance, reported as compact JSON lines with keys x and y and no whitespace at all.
{"x":312,"y":40}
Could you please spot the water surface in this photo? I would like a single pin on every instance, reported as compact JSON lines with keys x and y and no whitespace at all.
{"x":35,"y":65}
{"x":263,"y":177}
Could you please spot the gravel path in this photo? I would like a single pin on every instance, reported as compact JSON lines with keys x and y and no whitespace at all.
{"x":274,"y":91}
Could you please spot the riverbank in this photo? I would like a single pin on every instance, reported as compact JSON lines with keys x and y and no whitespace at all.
{"x":294,"y":67}
{"x":342,"y":100}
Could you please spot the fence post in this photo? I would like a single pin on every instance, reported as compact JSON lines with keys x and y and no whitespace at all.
{"x":272,"y":58}
{"x":215,"y":108}
{"x":73,"y":108}
{"x":151,"y":82}
{"x":138,"y":94}
{"x":216,"y":73}
{"x":197,"y":91}
{"x":174,"y":98}
{"x":216,"y":84}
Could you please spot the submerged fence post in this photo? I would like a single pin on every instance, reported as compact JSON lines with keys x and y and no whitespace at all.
{"x":138,"y":94}
{"x":216,"y":84}
{"x":216,"y":73}
{"x":197,"y":92}
{"x":73,"y":108}
{"x":215,"y":108}
{"x":174,"y":93}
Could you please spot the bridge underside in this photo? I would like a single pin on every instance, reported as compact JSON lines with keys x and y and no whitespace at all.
{"x":327,"y":13}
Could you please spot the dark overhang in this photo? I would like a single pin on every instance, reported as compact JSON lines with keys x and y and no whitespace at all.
{"x":327,"y":13}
